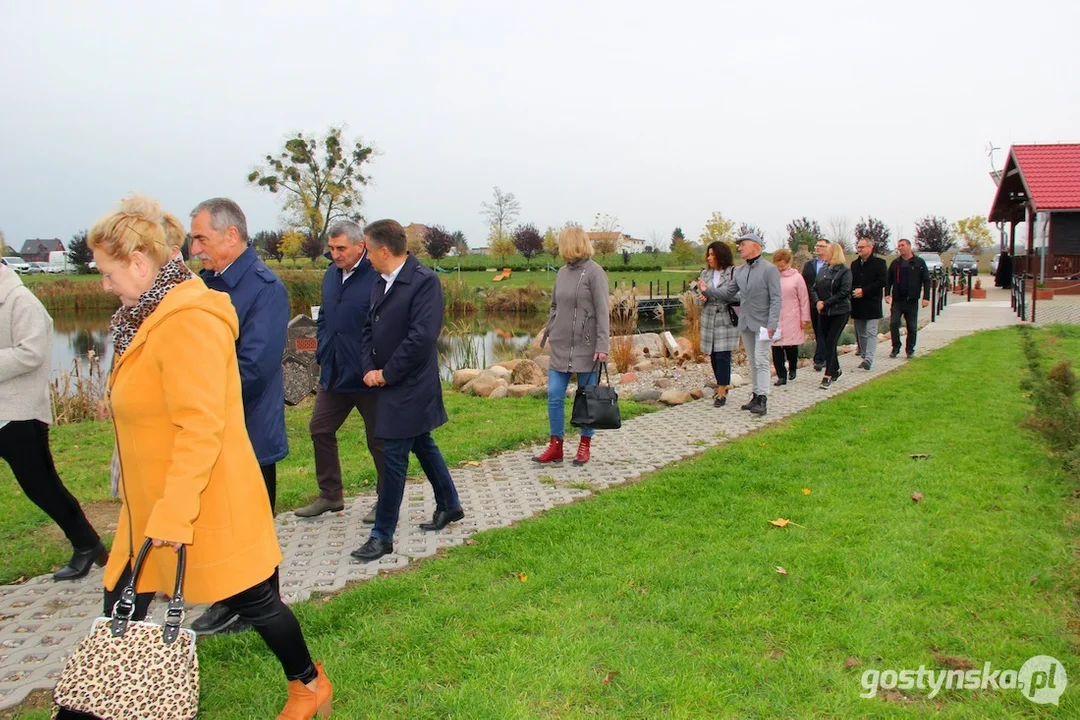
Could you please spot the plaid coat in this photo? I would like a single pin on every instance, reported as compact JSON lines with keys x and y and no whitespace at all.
{"x":717,"y":332}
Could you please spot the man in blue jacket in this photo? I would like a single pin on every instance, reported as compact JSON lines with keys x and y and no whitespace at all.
{"x":401,"y":361}
{"x":346,"y":296}
{"x":219,"y":238}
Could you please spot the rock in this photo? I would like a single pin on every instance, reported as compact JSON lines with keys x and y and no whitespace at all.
{"x":883,"y":337}
{"x":517,"y":391}
{"x":685,"y":346}
{"x":647,"y":395}
{"x":499,"y":372}
{"x":612,"y":368}
{"x":499,"y":392}
{"x":543,"y":362}
{"x":510,"y":364}
{"x":737,"y":380}
{"x":528,"y":373}
{"x":846,"y":349}
{"x":664,"y":383}
{"x":675,"y":397}
{"x":627,"y":378}
{"x":484,"y":384}
{"x":463,"y":376}
{"x":539,"y":392}
{"x":697,"y":394}
{"x":648,"y":345}
{"x":644,"y":366}
{"x":670,"y":344}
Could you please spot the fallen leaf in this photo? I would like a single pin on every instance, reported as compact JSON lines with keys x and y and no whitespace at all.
{"x":522,"y":577}
{"x":470,"y":541}
{"x":806,"y":491}
{"x":916,"y":497}
{"x":781,"y":570}
{"x":851,"y":662}
{"x":781,"y":522}
{"x":1034,"y":579}
{"x":920,"y":456}
{"x":610,"y":676}
{"x":471,"y":463}
{"x":776,"y":654}
{"x":643,"y":591}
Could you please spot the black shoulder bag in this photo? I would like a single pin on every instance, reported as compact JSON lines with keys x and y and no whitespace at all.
{"x":597,"y":406}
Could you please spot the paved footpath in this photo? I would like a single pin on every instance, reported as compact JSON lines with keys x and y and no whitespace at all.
{"x":41,"y":620}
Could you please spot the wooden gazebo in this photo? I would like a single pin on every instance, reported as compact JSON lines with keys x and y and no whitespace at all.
{"x":1043,"y":180}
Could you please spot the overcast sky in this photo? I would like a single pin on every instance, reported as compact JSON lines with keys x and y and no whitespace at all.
{"x":657,"y":113}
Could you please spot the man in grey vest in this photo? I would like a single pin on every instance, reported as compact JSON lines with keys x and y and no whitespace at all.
{"x":759,"y":293}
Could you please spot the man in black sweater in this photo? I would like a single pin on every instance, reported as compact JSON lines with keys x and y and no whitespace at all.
{"x":908,"y":278}
{"x":868,"y":275}
{"x":810,"y":272}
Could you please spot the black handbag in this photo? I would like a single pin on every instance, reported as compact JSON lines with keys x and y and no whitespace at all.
{"x":597,"y":406}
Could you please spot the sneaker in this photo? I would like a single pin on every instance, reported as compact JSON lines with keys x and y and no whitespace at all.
{"x":825,"y":383}
{"x":864,"y":365}
{"x":215,"y":620}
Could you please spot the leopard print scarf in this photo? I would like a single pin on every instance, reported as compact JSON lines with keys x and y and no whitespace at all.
{"x":126,"y":321}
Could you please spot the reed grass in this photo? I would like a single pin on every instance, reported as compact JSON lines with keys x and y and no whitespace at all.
{"x":526,"y":298}
{"x":692,"y":322}
{"x":76,"y":395}
{"x":624,"y":321}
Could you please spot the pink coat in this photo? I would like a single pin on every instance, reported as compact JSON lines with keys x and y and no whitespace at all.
{"x":794,"y":308}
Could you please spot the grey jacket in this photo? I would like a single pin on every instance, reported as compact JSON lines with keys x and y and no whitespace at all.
{"x":578,"y":324}
{"x":25,"y":351}
{"x":717,"y":332}
{"x":759,"y":293}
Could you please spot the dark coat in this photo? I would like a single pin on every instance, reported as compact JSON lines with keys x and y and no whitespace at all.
{"x":809,"y":274}
{"x":340,"y":326}
{"x":870,"y":276}
{"x":400,"y":336}
{"x":833,"y":287}
{"x":918,"y":279}
{"x":262,"y":306}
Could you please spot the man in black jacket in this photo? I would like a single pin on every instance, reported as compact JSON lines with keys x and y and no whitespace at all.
{"x":908,"y":276}
{"x":810,"y":273}
{"x":868,"y":273}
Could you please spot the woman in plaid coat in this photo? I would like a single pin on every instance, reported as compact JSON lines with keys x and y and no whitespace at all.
{"x":719,"y":336}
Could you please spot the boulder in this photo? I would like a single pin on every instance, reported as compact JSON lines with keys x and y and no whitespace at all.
{"x":697,"y":394}
{"x":499,"y":392}
{"x":484,"y":384}
{"x":510,"y":364}
{"x":647,"y":395}
{"x":685,"y":346}
{"x":627,"y":378}
{"x":644,"y":366}
{"x":463,"y":376}
{"x":664,"y":383}
{"x":543,"y":362}
{"x":675,"y":397}
{"x":648,"y":345}
{"x":517,"y":391}
{"x":737,"y":380}
{"x":539,"y":392}
{"x":528,"y":372}
{"x":499,"y":372}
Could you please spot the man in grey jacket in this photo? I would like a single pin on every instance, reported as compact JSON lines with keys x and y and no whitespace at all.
{"x":759,"y":293}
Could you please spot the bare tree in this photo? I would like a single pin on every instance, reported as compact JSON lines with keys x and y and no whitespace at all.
{"x":605,"y":223}
{"x":501,"y":212}
{"x":840,"y":232}
{"x":658,"y":241}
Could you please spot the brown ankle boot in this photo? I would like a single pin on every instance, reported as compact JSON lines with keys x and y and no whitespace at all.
{"x":720,"y":396}
{"x":305,"y":704}
{"x":583,"y":447}
{"x":553,"y":453}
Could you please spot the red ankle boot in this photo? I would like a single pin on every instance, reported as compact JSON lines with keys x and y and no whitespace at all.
{"x":553,"y":453}
{"x":583,"y":447}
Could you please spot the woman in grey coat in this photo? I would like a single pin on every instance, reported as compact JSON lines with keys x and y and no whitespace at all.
{"x":577,"y":328}
{"x":719,"y":336}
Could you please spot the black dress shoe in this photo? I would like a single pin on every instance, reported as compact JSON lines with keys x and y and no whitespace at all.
{"x":819,"y":368}
{"x":373,"y":549}
{"x":864,"y":365}
{"x":720,"y":401}
{"x":791,"y":375}
{"x":752,"y":403}
{"x":442,"y":518}
{"x":894,"y":353}
{"x":218,"y":618}
{"x":780,"y":381}
{"x":81,"y":562}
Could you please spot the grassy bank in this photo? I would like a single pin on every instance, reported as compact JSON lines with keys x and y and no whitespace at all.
{"x":33,"y":545}
{"x":664,"y":598}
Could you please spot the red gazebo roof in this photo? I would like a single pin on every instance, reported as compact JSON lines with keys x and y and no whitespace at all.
{"x":1050,"y":175}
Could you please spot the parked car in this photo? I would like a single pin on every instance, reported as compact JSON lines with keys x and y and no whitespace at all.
{"x":45,"y":267}
{"x":932,"y":260}
{"x":965,"y":263}
{"x":33,"y":269}
{"x":16,"y":263}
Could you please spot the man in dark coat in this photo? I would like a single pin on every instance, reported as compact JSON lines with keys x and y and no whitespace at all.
{"x":810,"y":272}
{"x":868,"y":273}
{"x":401,"y":360}
{"x":908,"y":279}
{"x":346,"y":297}
{"x":229,"y":264}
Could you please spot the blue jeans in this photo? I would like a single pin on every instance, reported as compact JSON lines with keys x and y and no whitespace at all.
{"x":393,"y":490}
{"x":557,"y":384}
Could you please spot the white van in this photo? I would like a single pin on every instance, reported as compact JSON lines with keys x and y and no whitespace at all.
{"x":59,"y":263}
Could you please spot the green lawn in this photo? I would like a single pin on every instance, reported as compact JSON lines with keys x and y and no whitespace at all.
{"x":478,"y":427}
{"x":663,"y":598}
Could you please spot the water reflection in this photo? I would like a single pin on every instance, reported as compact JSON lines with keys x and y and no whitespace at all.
{"x":75,"y":335}
{"x":479,"y":341}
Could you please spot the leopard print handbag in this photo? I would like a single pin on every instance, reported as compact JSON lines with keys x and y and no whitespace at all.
{"x":133,"y":670}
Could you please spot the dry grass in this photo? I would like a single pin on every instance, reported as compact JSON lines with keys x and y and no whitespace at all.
{"x":77,"y":394}
{"x":692,"y":322}
{"x":624,"y":319}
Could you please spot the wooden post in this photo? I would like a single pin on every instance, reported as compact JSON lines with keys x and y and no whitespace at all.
{"x":1031,"y":249}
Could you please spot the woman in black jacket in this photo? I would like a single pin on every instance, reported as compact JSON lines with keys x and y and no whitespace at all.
{"x":831,"y":296}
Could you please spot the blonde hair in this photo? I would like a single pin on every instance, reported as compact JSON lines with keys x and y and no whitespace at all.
{"x":574,"y":244}
{"x":139,"y":225}
{"x":836,"y":255}
{"x":782,"y":255}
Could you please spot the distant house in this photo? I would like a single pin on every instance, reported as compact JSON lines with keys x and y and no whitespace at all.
{"x":632,"y":244}
{"x":482,"y":250}
{"x":622,"y":242}
{"x":37,"y":250}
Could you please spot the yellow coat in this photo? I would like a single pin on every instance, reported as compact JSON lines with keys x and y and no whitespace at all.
{"x":189,"y":471}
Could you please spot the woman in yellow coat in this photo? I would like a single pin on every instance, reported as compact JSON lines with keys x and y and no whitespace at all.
{"x":189,"y":474}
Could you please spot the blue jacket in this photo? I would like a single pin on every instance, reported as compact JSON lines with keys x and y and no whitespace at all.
{"x":341,"y":320}
{"x":262,"y":305}
{"x":400,"y":333}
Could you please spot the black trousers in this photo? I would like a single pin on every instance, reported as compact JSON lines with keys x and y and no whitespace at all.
{"x":262,"y":608}
{"x":721,"y":366}
{"x":817,"y":320}
{"x":833,"y":326}
{"x":269,"y":473}
{"x":24,"y":444}
{"x":330,"y":412}
{"x":908,"y":311}
{"x":780,"y":353}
